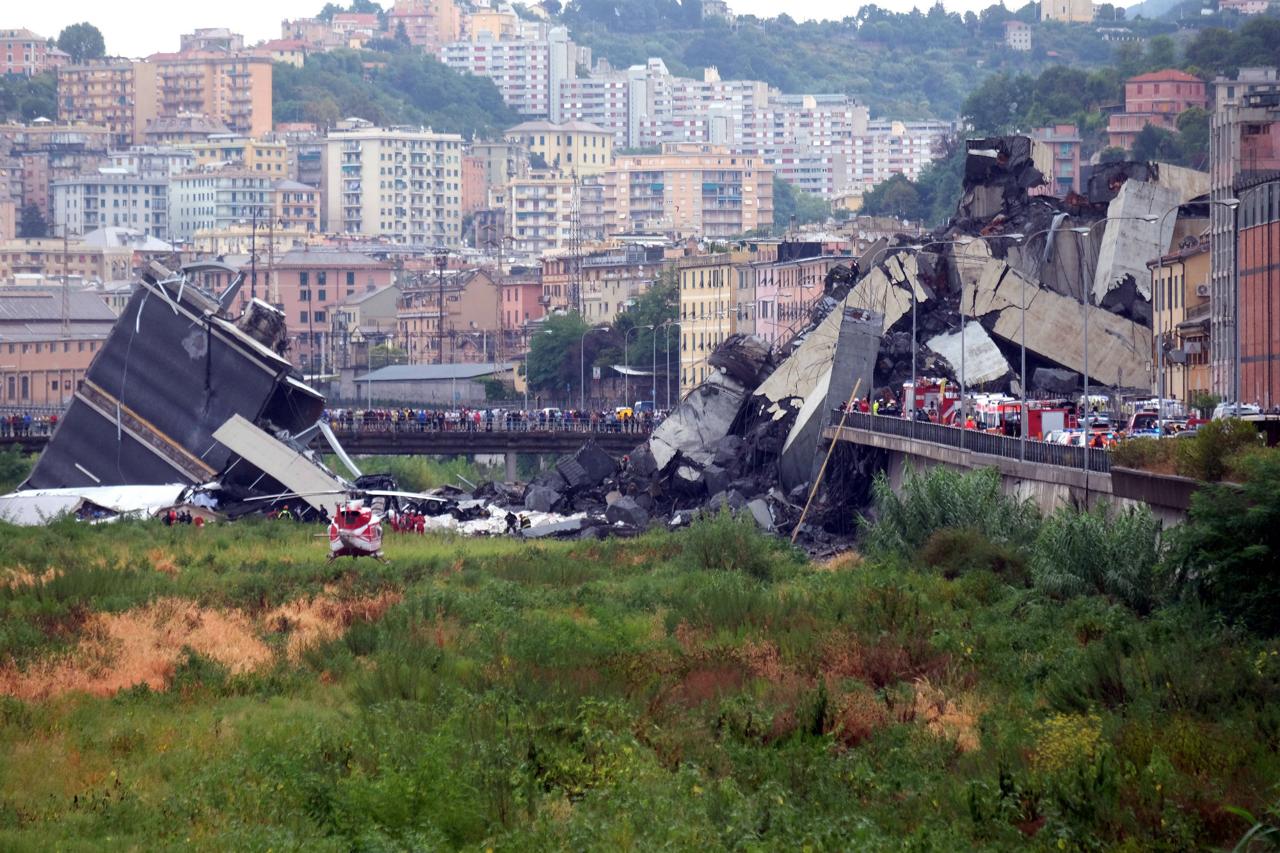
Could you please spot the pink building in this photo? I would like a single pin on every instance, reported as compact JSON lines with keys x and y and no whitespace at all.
{"x":1157,"y":99}
{"x":521,"y":300}
{"x":785,"y":293}
{"x":23,"y":52}
{"x":1056,"y":153}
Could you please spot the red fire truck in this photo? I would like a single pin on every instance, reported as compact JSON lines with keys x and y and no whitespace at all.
{"x":938,"y":397}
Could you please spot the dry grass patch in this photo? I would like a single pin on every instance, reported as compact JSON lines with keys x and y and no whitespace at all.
{"x":946,"y":717}
{"x":163,"y":562}
{"x":20,"y":578}
{"x":308,"y":621}
{"x":140,"y":646}
{"x":845,"y":561}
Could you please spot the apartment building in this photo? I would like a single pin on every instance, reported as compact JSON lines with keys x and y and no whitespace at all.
{"x":1180,"y":288}
{"x":707,"y":310}
{"x":689,"y":189}
{"x":1067,"y":11}
{"x":468,"y":329}
{"x":573,"y":147}
{"x":217,"y":200}
{"x":152,"y":161}
{"x":429,"y":24}
{"x":27,"y":54}
{"x":1259,"y":292}
{"x":1244,"y":146}
{"x":295,"y":206}
{"x":43,"y":358}
{"x":254,"y":155}
{"x":609,"y":280}
{"x":1017,"y":36}
{"x":100,"y":256}
{"x":1155,"y":99}
{"x":211,"y":39}
{"x":540,"y":215}
{"x":787,"y":289}
{"x":115,"y":199}
{"x":401,"y":184}
{"x":526,"y":71}
{"x":37,"y":154}
{"x":128,"y":97}
{"x":522,"y":301}
{"x":1056,"y":153}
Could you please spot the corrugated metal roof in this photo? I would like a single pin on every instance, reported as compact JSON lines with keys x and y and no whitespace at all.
{"x":37,"y":304}
{"x":429,"y":372}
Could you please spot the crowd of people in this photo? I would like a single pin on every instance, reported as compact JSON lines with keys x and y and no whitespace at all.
{"x":22,"y":424}
{"x":490,"y":420}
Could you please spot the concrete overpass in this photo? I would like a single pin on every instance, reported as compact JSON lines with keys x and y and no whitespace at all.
{"x":410,"y":441}
{"x":1049,"y":474}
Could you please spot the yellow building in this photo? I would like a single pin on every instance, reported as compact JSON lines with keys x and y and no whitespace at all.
{"x":496,"y":24}
{"x":253,"y":155}
{"x":1067,"y":11}
{"x":708,"y":309}
{"x":1180,"y":299}
{"x":130,"y":96}
{"x":107,"y":94}
{"x":690,"y":189}
{"x":571,"y":148}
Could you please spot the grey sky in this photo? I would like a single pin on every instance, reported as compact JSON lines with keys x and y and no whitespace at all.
{"x":140,"y":27}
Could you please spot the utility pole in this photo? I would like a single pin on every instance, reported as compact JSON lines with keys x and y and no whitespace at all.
{"x":253,"y":258}
{"x":442,"y":260}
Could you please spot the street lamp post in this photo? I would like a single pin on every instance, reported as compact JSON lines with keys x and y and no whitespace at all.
{"x":666,"y":343}
{"x":582,"y":367}
{"x":442,"y":260}
{"x":626,"y":386}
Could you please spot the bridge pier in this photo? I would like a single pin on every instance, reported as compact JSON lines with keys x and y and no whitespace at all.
{"x":512,"y":472}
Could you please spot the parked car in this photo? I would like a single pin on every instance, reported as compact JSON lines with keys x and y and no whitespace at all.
{"x":1233,"y":410}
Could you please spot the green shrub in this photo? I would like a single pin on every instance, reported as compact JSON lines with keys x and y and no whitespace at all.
{"x":1226,"y":554}
{"x":1205,"y":456}
{"x":728,"y":542}
{"x":942,"y":498}
{"x":14,"y":468}
{"x":955,"y":552}
{"x":1099,"y":552}
{"x":1147,"y":454}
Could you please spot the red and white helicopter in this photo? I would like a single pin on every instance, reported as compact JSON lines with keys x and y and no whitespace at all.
{"x":355,"y":531}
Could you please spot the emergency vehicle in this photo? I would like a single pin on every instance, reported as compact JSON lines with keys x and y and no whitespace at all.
{"x":938,"y":397}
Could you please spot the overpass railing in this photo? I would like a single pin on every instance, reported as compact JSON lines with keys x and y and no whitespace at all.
{"x":574,"y":425}
{"x":990,"y":444}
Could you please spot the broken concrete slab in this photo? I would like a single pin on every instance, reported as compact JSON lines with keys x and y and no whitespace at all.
{"x":852,"y":365}
{"x":1053,"y":380}
{"x":572,"y":524}
{"x":761,"y":513}
{"x":982,"y":361}
{"x":574,"y":474}
{"x":541,"y":499}
{"x":702,"y":419}
{"x":1119,"y":349}
{"x":316,"y":486}
{"x":728,"y":451}
{"x":597,"y":463}
{"x":626,"y":511}
{"x":715,"y":479}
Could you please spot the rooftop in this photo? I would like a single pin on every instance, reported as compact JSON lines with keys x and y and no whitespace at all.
{"x":429,"y":372}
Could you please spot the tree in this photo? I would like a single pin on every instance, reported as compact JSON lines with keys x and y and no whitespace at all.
{"x":1193,"y":137}
{"x":384,"y":354}
{"x":553,"y":361}
{"x":1212,"y":52}
{"x":789,"y":201}
{"x":999,"y":104}
{"x":1156,"y":143}
{"x":82,"y":41}
{"x":1226,"y":553}
{"x":31,"y":222}
{"x":1161,"y":53}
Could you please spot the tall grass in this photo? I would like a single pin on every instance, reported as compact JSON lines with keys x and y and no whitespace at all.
{"x":1100,"y":552}
{"x":941,"y":499}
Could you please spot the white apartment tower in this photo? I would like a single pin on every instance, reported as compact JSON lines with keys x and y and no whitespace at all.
{"x":398,"y":183}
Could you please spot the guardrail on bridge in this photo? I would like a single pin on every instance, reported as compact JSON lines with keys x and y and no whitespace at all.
{"x":990,"y":444}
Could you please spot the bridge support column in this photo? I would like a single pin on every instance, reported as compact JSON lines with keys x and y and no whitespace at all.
{"x":512,"y":472}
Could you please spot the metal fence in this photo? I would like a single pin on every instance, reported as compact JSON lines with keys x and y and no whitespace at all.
{"x":989,"y":444}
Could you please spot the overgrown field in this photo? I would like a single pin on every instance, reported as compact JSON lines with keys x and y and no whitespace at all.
{"x":225,"y":688}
